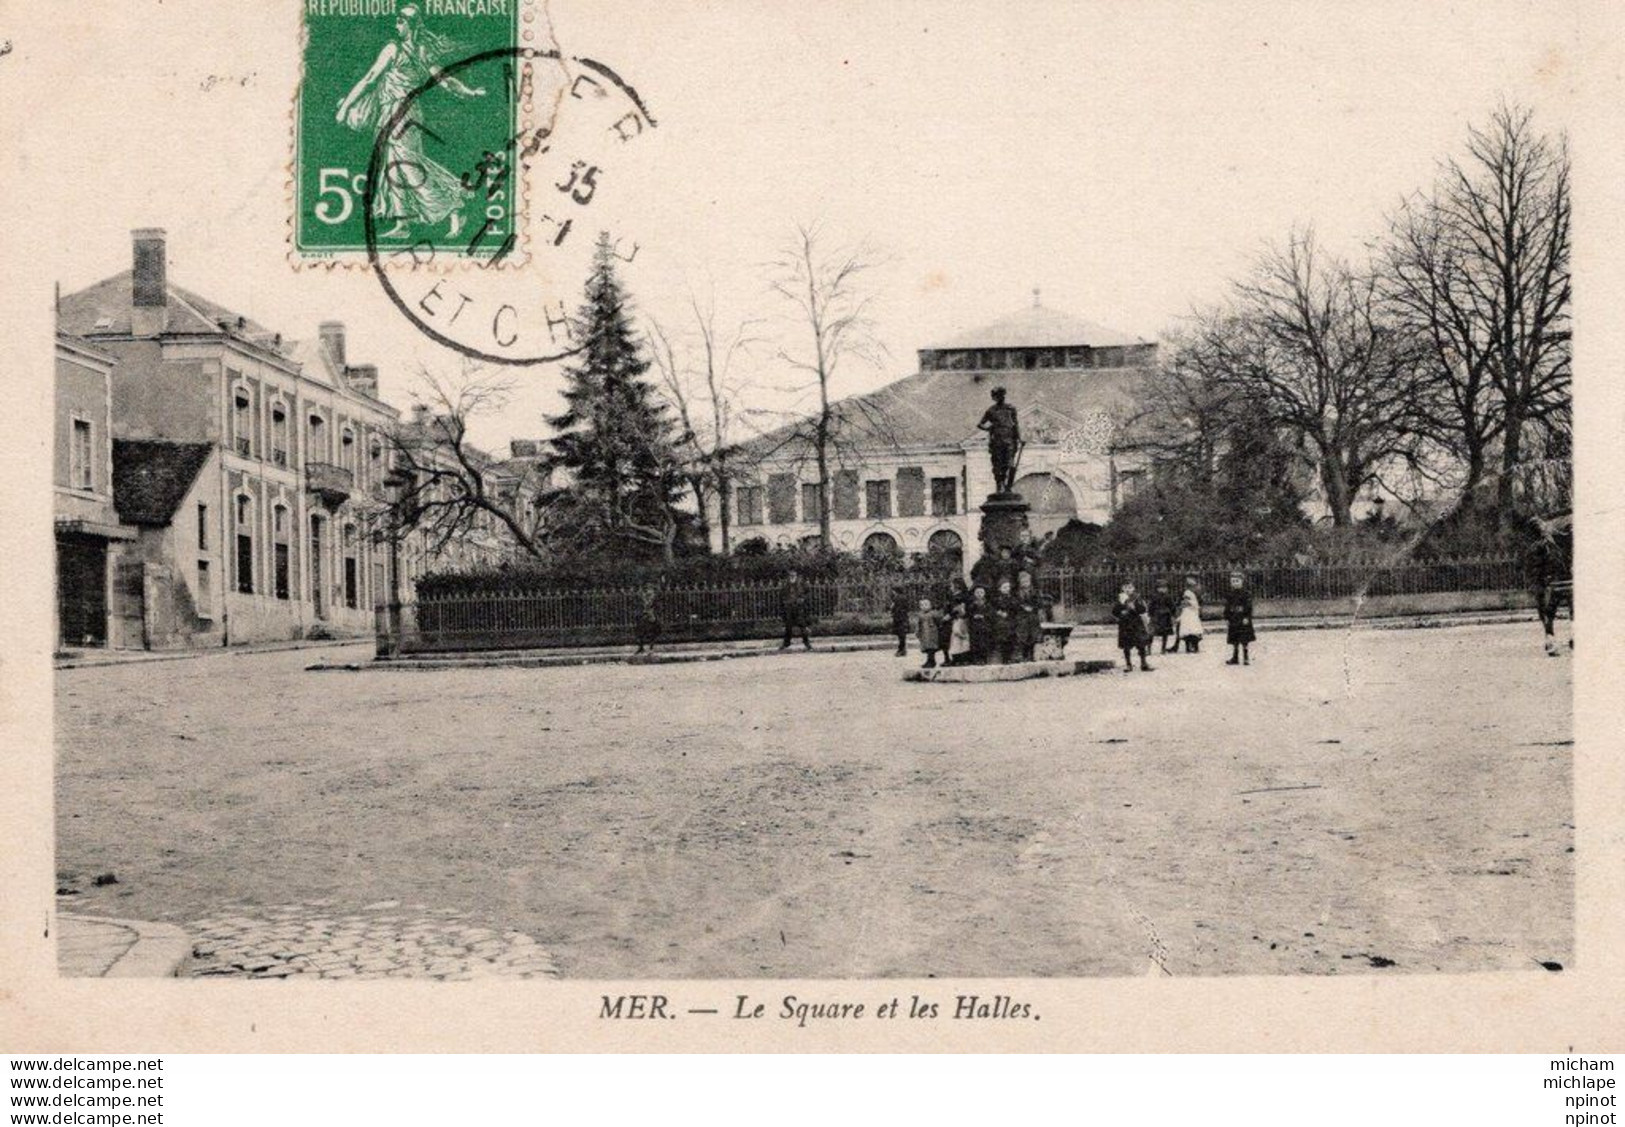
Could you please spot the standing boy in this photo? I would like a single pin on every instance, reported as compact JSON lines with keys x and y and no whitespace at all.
{"x":1133,"y":636}
{"x":1238,"y":618}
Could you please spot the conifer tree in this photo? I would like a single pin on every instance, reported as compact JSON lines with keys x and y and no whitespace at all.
{"x":612,"y":450}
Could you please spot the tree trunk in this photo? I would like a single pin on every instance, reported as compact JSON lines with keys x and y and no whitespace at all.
{"x":1339,"y":498}
{"x":825,"y":497}
{"x":724,"y":504}
{"x":1511,"y":454}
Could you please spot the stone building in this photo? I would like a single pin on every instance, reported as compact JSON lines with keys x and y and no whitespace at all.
{"x":89,"y":534}
{"x":269,"y":535}
{"x":910,"y":469}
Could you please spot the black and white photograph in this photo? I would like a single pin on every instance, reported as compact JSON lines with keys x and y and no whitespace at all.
{"x":581,"y":494}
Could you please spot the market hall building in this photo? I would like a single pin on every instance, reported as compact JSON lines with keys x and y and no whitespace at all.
{"x":910,"y":469}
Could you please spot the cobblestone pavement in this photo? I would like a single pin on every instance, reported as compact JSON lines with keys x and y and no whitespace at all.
{"x":383,"y":940}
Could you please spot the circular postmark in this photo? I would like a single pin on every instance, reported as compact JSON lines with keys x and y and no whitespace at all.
{"x":510,"y":317}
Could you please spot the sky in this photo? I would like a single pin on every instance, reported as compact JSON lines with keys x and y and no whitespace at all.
{"x":1127,"y":159}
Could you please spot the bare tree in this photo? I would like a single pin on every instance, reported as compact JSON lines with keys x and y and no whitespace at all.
{"x":822,"y":286}
{"x":1183,"y":410}
{"x":1305,"y":344}
{"x":1480,"y":270}
{"x":446,"y":487}
{"x":704,"y":389}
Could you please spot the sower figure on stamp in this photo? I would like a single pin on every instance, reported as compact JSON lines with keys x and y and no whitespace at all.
{"x":415,"y":188}
{"x":796,"y":614}
{"x":1003,"y":440}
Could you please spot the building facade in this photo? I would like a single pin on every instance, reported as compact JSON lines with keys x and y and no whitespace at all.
{"x":273,"y":534}
{"x":90,"y":538}
{"x":910,"y":469}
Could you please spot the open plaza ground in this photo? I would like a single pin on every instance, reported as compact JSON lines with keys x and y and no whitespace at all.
{"x":1357,"y":801}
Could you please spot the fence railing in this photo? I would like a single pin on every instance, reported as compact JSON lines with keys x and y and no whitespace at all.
{"x":534,"y":618}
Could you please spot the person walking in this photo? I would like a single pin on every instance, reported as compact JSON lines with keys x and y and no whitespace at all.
{"x":1238,"y":618}
{"x":1190,"y":618}
{"x":648,"y":624}
{"x":1133,"y":636}
{"x":1162,"y":616}
{"x":902,"y":614}
{"x":928,"y":627}
{"x":793,"y":596}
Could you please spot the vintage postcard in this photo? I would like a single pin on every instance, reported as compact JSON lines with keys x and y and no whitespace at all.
{"x":559,"y":525}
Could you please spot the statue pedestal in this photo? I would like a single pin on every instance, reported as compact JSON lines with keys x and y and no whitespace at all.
{"x":1004,"y":518}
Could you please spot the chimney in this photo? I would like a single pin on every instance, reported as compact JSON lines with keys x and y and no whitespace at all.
{"x":149,"y":286}
{"x":364,"y":378}
{"x":332,"y":334}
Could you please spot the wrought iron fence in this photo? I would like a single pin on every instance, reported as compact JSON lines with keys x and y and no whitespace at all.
{"x":861,"y":604}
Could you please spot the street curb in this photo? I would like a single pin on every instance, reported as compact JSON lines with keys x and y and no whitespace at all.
{"x":158,"y":951}
{"x":519,"y":659}
{"x":148,"y":656}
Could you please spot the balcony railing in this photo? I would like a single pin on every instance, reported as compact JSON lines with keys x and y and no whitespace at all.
{"x":332,"y":484}
{"x":245,"y":447}
{"x":279,"y":458}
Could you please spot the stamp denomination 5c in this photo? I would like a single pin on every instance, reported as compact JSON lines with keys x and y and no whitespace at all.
{"x":372,"y":65}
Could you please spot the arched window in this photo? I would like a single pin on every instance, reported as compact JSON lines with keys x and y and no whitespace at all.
{"x":1050,"y":502}
{"x":946,"y":545}
{"x":881,"y":546}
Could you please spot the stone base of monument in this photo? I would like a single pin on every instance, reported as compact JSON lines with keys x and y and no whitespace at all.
{"x":1018,"y":671}
{"x":1004,"y":518}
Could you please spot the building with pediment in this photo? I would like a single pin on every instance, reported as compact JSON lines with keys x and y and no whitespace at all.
{"x":911,"y":469}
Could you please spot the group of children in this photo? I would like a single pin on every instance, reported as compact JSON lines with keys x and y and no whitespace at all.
{"x":1140,"y":621}
{"x":974,"y":627}
{"x":978,"y":628}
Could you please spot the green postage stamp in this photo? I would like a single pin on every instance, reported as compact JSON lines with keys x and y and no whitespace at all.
{"x":406,"y":122}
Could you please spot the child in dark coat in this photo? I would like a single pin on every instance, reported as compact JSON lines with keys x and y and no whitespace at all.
{"x":902,"y":614}
{"x":648,"y":624}
{"x":1133,"y":635}
{"x":1162,"y":616}
{"x":1238,"y":618}
{"x":928,"y":627}
{"x":979,"y":616}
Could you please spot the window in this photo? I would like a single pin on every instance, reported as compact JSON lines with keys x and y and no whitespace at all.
{"x":347,"y":449}
{"x":781,"y":499}
{"x":944,"y":496}
{"x":911,"y":491}
{"x":750,"y":504}
{"x":205,"y":592}
{"x":242,"y":428}
{"x":245,"y":546}
{"x":279,"y":553}
{"x":877,"y":499}
{"x":316,"y":441}
{"x":279,"y":435}
{"x":1129,"y":483}
{"x":202,"y":527}
{"x":812,"y":503}
{"x":845,"y":503}
{"x":352,"y":572}
{"x":80,"y":466}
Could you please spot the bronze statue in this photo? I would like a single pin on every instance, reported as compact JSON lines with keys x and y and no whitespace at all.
{"x":1003,"y":441}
